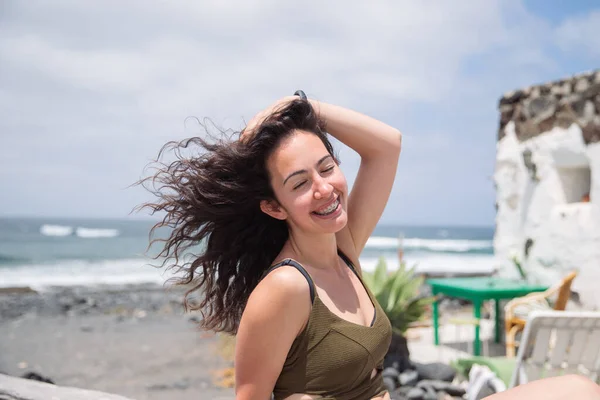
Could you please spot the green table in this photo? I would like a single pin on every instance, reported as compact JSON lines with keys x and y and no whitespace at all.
{"x":477,"y":290}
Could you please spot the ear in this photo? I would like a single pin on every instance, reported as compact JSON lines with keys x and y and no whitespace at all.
{"x":273,"y":209}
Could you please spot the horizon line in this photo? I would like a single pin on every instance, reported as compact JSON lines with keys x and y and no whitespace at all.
{"x":151,"y":219}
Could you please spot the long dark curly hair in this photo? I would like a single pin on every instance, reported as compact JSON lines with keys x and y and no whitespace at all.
{"x":213,"y":200}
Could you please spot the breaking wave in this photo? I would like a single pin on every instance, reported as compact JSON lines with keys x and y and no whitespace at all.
{"x":96,"y":233}
{"x":434,"y":245}
{"x":86,"y":233}
{"x":56,"y":230}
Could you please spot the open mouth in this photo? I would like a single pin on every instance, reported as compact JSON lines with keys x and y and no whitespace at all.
{"x":329,"y":209}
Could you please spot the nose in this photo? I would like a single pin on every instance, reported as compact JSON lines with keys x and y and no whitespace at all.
{"x":323,"y":189}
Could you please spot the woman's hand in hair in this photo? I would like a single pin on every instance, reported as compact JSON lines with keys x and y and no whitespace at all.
{"x":259,"y":118}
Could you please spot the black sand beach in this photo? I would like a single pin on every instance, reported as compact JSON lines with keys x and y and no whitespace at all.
{"x":134,"y":341}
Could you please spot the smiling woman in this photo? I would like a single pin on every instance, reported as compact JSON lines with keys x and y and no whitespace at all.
{"x":283,"y":237}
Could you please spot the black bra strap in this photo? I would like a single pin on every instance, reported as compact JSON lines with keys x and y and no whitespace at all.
{"x":311,"y":285}
{"x":289,"y":261}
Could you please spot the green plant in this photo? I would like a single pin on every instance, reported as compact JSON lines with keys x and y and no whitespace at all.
{"x":519,"y":267}
{"x":398,"y":294}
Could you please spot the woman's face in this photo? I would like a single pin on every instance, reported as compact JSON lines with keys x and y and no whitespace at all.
{"x":308,"y":184}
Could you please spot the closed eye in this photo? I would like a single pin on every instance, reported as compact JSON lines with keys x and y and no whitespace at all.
{"x":328,"y":169}
{"x":299,"y":185}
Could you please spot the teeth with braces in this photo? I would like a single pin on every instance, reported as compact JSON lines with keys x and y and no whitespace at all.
{"x":330,"y":209}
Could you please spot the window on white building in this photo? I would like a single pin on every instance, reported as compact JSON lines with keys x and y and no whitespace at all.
{"x":576,"y":183}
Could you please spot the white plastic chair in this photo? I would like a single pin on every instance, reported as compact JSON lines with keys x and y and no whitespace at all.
{"x":558,"y":343}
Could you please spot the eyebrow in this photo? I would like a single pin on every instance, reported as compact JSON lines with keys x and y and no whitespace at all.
{"x":303,"y":171}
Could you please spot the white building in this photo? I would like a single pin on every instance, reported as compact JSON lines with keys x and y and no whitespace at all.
{"x":548,"y":182}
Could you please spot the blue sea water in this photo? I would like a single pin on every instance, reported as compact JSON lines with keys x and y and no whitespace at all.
{"x":41,"y":252}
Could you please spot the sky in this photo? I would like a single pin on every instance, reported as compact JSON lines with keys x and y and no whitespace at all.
{"x":90,"y":91}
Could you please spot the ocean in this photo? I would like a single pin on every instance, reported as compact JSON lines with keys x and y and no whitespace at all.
{"x":44,"y":252}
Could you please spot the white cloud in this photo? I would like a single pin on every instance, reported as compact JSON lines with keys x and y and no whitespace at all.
{"x":581,"y":34}
{"x":400,"y":50}
{"x":99,"y":87}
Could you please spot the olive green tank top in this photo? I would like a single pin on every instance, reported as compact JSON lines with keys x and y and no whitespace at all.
{"x":334,"y":358}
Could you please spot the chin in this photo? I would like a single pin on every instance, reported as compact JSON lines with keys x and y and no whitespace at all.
{"x":341,"y":224}
{"x":333,"y":224}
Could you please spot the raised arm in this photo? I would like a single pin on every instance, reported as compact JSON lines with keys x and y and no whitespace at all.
{"x":379,"y":147}
{"x":275,"y":314}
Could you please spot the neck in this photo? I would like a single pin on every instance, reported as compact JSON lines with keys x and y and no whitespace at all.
{"x":318,"y":251}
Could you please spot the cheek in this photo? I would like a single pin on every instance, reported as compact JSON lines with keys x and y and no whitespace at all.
{"x":340,"y":182}
{"x":296,"y":204}
{"x":300,"y":207}
{"x":341,"y":185}
{"x":303,"y":203}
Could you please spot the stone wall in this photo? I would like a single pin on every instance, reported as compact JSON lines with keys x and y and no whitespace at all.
{"x":548,"y":182}
{"x":538,"y":109}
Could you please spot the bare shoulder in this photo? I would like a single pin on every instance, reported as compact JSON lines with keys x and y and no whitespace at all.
{"x":275,"y":314}
{"x":283,"y":291}
{"x":285,"y":280}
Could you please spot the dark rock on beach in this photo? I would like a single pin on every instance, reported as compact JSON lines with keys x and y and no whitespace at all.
{"x":406,"y":379}
{"x":435,"y":371}
{"x":100,"y":300}
{"x":442,"y":386}
{"x":36,"y":377}
{"x":398,"y":355}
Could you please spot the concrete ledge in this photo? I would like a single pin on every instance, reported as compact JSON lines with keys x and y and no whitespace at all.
{"x":12,"y":388}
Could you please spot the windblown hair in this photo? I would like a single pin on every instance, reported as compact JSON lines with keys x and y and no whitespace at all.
{"x":213,"y":199}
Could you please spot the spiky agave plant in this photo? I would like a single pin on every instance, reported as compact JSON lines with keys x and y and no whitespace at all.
{"x":398,"y":294}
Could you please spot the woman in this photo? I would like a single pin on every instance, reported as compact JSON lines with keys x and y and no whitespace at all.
{"x":330,"y":342}
{"x":283,"y":236}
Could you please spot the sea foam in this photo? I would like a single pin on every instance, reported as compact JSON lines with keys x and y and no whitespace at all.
{"x":446,"y":245}
{"x":56,"y":230}
{"x":96,"y":233}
